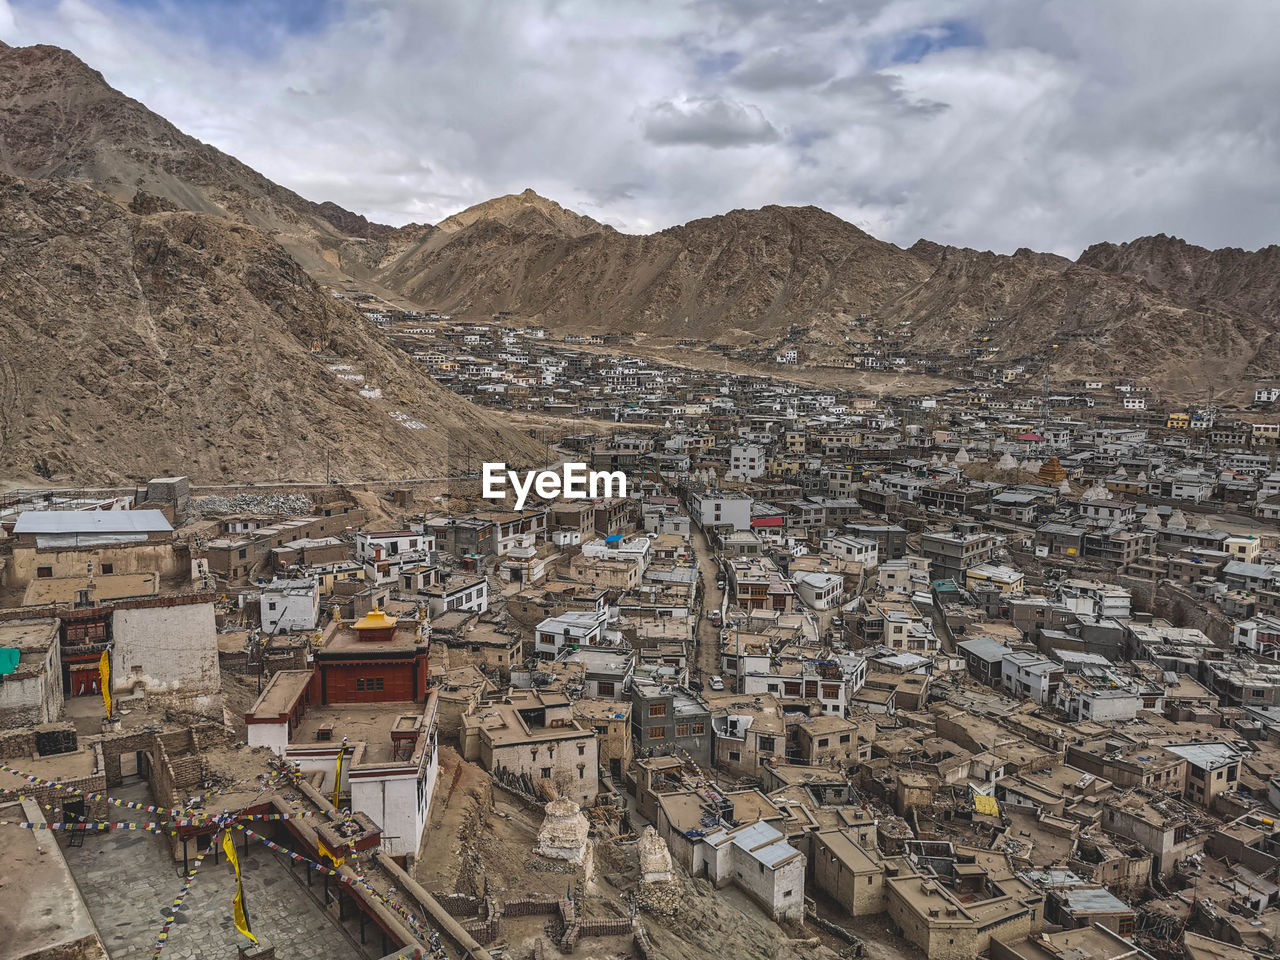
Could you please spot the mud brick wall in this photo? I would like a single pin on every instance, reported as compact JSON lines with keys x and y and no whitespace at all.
{"x":459,"y":904}
{"x":614,"y":927}
{"x":528,"y":906}
{"x":484,"y":931}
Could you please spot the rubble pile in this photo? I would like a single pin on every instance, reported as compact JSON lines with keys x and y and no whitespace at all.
{"x":283,"y":505}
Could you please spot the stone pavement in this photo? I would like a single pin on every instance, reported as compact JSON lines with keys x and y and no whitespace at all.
{"x":129,"y":881}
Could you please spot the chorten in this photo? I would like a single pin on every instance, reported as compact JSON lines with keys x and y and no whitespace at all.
{"x":564,"y":832}
{"x":1051,"y":472}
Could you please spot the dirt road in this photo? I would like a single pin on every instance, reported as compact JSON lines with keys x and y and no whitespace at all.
{"x":707,"y":655}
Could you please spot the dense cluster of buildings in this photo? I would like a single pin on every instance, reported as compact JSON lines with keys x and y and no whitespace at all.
{"x":1005,"y":672}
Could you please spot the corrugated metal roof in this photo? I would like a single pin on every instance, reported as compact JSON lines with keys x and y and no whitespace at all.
{"x":92,"y":521}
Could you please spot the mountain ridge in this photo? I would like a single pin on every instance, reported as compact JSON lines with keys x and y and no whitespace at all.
{"x":794,"y":274}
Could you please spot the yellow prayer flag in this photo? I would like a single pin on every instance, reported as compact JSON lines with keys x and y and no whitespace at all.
{"x":237,"y":906}
{"x":104,"y":675}
{"x":337,"y":777}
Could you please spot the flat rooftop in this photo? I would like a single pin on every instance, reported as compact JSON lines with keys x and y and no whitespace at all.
{"x":44,"y":914}
{"x":112,"y":586}
{"x":29,"y":636}
{"x":368,"y":723}
{"x":280,"y":694}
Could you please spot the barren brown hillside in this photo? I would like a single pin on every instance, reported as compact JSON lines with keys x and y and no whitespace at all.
{"x":176,"y":341}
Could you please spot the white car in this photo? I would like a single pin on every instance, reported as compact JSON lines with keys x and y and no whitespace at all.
{"x":716,"y":683}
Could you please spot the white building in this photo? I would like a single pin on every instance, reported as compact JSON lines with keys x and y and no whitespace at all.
{"x":1031,"y":676}
{"x":378,"y":545}
{"x":819,"y":591}
{"x":719,"y":509}
{"x":459,"y":592}
{"x":390,"y":754}
{"x":857,"y":549}
{"x":288,"y":605}
{"x":637,"y":550}
{"x":757,"y":858}
{"x":582,"y":628}
{"x":746,"y":461}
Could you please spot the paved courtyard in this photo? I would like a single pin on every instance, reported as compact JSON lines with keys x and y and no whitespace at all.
{"x":129,"y":881}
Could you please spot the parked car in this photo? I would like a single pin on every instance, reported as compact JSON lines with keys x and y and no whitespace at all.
{"x":716,"y":683}
{"x":720,"y":584}
{"x":714,"y":617}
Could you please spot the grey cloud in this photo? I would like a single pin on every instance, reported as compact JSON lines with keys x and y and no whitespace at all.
{"x":780,"y":69}
{"x":707,"y":121}
{"x":1056,"y":124}
{"x":880,"y":92}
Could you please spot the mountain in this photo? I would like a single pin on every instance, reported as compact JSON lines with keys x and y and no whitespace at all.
{"x":1194,"y":320}
{"x":1229,"y":279}
{"x":526,"y":212}
{"x":804,"y":276}
{"x":59,"y":119}
{"x":137,"y":344}
{"x":741,"y":275}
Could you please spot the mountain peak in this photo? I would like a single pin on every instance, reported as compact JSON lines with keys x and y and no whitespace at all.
{"x":525,"y":212}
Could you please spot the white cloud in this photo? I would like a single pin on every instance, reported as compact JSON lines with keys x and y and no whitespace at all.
{"x":1045,"y":123}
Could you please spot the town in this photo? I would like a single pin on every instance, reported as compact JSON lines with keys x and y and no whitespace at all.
{"x":992,"y":669}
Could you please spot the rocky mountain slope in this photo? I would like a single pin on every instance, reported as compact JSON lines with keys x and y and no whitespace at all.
{"x":747,"y":273}
{"x":59,"y":119}
{"x":1229,"y":279}
{"x":137,"y":344}
{"x":1157,"y":308}
{"x":1148,"y":309}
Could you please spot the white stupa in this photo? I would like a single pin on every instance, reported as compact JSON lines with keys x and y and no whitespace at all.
{"x":655,"y":858}
{"x":1151,"y":519}
{"x":1007,"y":462}
{"x":962,"y":456}
{"x":564,"y":834}
{"x":1177,"y":520}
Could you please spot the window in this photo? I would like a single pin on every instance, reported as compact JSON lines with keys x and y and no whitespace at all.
{"x":606,"y":688}
{"x":546,"y":773}
{"x":734,"y":756}
{"x":242,"y":554}
{"x":359,"y":683}
{"x":657,"y":733}
{"x":108,"y":569}
{"x":824,"y":741}
{"x":767,"y":744}
{"x":271,"y":606}
{"x":844,"y":738}
{"x":697,"y":729}
{"x":44,"y":572}
{"x":582,"y":772}
{"x":657,"y":709}
{"x":582,"y":749}
{"x":682,"y":729}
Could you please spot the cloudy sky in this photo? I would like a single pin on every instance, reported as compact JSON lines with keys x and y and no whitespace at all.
{"x":987,"y":123}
